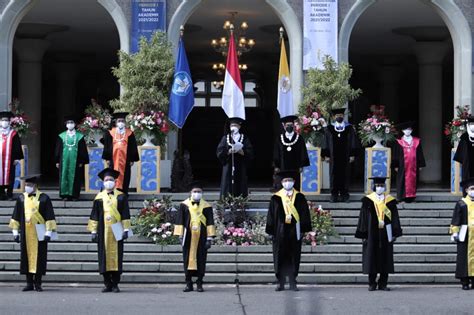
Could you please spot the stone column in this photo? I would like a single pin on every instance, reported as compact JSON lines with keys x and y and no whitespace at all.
{"x":389,"y":76}
{"x":30,"y":55}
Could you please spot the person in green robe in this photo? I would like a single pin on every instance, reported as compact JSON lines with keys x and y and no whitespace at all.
{"x":70,"y":156}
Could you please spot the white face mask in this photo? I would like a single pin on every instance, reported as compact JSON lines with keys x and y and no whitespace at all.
{"x":379,"y":190}
{"x":471,"y":127}
{"x":29,"y":189}
{"x":407,"y":132}
{"x":234,"y":129}
{"x":70,"y":126}
{"x":196,"y":196}
{"x":288,"y":185}
{"x":120,"y":125}
{"x":5,"y":124}
{"x":109,"y":184}
{"x":471,"y":193}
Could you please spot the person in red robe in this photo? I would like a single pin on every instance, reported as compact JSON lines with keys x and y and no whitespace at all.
{"x":407,"y":160}
{"x":120,"y":150}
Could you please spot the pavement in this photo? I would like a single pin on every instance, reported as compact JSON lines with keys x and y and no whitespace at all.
{"x":236,"y":299}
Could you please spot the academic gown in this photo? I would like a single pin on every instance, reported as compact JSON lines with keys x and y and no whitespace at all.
{"x":290,"y":160}
{"x":462,"y":215}
{"x":183,"y":228}
{"x":33,"y":252}
{"x":110,"y":250}
{"x":408,"y":161}
{"x":286,"y":246}
{"x":339,"y":147}
{"x":121,"y":154}
{"x":465,"y":155}
{"x":16,"y":153}
{"x":69,"y":159}
{"x":377,"y":251}
{"x":240,"y":187}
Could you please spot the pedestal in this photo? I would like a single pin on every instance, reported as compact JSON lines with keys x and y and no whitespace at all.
{"x":21,"y":170}
{"x":377,"y":164}
{"x":96,"y":164}
{"x":456,"y":175}
{"x":311,"y":175}
{"x":148,"y":170}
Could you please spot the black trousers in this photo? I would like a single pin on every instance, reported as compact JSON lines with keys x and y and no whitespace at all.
{"x":33,"y":279}
{"x":111,"y":278}
{"x":382,"y":280}
{"x":8,"y":188}
{"x":189,"y":278}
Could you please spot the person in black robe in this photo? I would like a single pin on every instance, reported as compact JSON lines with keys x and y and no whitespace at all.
{"x":288,"y":218}
{"x":120,"y":150}
{"x":234,"y":151}
{"x":70,"y":144}
{"x":407,"y":151}
{"x":290,"y":150}
{"x":460,"y":234}
{"x":24,"y":222}
{"x":11,"y":143}
{"x":465,"y":151}
{"x":194,"y":225}
{"x":340,"y":148}
{"x":110,"y":207}
{"x":378,"y":227}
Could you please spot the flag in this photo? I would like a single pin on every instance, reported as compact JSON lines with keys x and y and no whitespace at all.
{"x":285,"y":96}
{"x":182,"y":90}
{"x":232,"y":95}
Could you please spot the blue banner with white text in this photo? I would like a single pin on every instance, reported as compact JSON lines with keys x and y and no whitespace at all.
{"x":148,"y":16}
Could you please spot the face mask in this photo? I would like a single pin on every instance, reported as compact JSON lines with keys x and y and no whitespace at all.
{"x":340,"y":119}
{"x":471,"y":193}
{"x":120,"y":125}
{"x":407,"y":132}
{"x":196,"y":196}
{"x":288,"y":185}
{"x":379,"y":190}
{"x":234,"y":129}
{"x":5,"y":124}
{"x":289,"y":129}
{"x":109,"y":185}
{"x":29,"y":189}
{"x":70,"y":126}
{"x":471,"y":127}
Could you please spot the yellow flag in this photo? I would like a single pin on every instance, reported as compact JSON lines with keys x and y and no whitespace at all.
{"x":285,"y":96}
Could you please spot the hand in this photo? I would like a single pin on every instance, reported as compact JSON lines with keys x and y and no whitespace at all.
{"x":270,"y":237}
{"x":396,"y":169}
{"x":276,"y":170}
{"x":125,"y":235}
{"x":57,"y":165}
{"x":131,"y":163}
{"x":16,"y":162}
{"x":16,"y":238}
{"x":455,"y":237}
{"x":351,"y":159}
{"x":327,"y":159}
{"x":95,"y":239}
{"x":208,"y":244}
{"x":230,"y":151}
{"x":81,"y":165}
{"x":47,"y":238}
{"x":241,"y":152}
{"x":109,"y":163}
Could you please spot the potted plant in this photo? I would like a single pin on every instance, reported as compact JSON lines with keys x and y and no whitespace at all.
{"x":376,"y":128}
{"x":96,"y":121}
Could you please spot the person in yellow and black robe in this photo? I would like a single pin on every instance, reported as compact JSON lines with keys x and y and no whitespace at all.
{"x":110,"y":207}
{"x":31,"y":209}
{"x":288,"y":218}
{"x":378,"y":227}
{"x":462,"y":232}
{"x":194,"y":225}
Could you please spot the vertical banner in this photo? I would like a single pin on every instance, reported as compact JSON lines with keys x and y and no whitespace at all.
{"x":319,"y":31}
{"x":147,"y":17}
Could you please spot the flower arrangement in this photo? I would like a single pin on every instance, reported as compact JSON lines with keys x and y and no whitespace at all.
{"x":233,"y":210}
{"x":322,"y":224}
{"x":311,"y":127}
{"x":19,"y":122}
{"x":236,"y":236}
{"x":149,"y":122}
{"x":163,"y":234}
{"x":457,"y":126}
{"x":377,"y":125}
{"x":96,"y":120}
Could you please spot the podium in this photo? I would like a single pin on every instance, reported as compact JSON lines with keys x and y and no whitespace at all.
{"x":377,"y":164}
{"x":311,"y":175}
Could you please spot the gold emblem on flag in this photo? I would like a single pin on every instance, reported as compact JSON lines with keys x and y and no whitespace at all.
{"x":285,"y":84}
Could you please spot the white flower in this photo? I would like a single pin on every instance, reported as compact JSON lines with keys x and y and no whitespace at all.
{"x":154,"y":230}
{"x":164,"y":236}
{"x":168,"y":224}
{"x":168,"y":233}
{"x":160,"y":230}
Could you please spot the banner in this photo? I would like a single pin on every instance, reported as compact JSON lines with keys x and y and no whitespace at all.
{"x":320,"y":32}
{"x":147,"y":17}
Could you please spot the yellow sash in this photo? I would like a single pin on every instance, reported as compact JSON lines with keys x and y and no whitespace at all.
{"x":381,"y":206}
{"x":470,"y":244}
{"x":110,"y":203}
{"x":289,"y":205}
{"x":32,"y":209}
{"x":197,"y":218}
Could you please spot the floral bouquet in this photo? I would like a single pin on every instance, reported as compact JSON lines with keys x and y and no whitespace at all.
{"x":457,"y":126}
{"x":235,"y":236}
{"x":311,"y":127}
{"x":19,"y":122}
{"x":376,"y":126}
{"x":148,"y":123}
{"x":163,"y":234}
{"x":323,"y":226}
{"x":96,"y":121}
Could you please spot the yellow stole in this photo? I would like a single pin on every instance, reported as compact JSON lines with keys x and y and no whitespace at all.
{"x":381,"y":207}
{"x":289,"y":205}
{"x":470,"y":244}
{"x":32,"y":217}
{"x":197,"y":218}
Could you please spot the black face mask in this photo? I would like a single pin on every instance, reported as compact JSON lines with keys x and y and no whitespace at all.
{"x":340,"y":119}
{"x":289,"y":129}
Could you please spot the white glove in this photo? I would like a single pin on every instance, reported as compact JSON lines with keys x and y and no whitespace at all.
{"x":455,"y":237}
{"x":48,"y":233}
{"x":15,"y":232}
{"x":237,"y":146}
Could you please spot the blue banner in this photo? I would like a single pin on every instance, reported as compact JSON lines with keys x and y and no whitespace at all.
{"x":147,"y":17}
{"x":182,"y":91}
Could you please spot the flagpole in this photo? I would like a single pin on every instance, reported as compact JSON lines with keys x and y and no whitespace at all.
{"x":233,"y":164}
{"x":180,"y":132}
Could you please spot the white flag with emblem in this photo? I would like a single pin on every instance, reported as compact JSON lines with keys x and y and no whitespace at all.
{"x":285,"y":96}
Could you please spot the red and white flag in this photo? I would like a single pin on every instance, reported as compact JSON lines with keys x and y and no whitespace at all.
{"x":232,"y":94}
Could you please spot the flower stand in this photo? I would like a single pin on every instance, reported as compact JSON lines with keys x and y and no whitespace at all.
{"x":456,"y":175}
{"x":21,"y":169}
{"x":311,"y":175}
{"x":96,"y":164}
{"x":377,"y":164}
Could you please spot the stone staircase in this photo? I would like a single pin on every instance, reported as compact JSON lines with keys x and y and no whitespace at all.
{"x":423,"y":255}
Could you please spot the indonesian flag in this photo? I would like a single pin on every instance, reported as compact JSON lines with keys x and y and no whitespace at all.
{"x":285,"y":96}
{"x":232,"y":95}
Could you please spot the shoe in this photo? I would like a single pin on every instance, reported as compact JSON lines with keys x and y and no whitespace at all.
{"x":115,"y":289}
{"x":280,"y":287}
{"x":294,"y":287}
{"x":39,"y":288}
{"x":106,"y":289}
{"x":464,"y":287}
{"x":199,"y":287}
{"x":29,"y":287}
{"x":345,"y":198}
{"x":333,"y":199}
{"x":383,"y":287}
{"x":188,"y":287}
{"x":372,"y":287}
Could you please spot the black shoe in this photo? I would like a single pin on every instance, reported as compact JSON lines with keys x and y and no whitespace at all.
{"x":115,"y":289}
{"x":383,"y":287}
{"x":464,"y":287}
{"x":294,"y":287}
{"x":29,"y":287}
{"x":199,"y":287}
{"x":107,"y":289}
{"x":188,"y":287}
{"x":345,"y":198}
{"x":334,"y":198}
{"x":372,"y":287}
{"x":39,"y":288}
{"x":280,"y":287}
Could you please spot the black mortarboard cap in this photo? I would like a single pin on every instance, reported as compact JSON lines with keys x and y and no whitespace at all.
{"x":118,"y":115}
{"x":108,"y":172}
{"x":6,"y":114}
{"x":70,"y":117}
{"x":33,"y":178}
{"x":287,"y":119}
{"x":467,"y":183}
{"x":405,"y":125}
{"x":236,"y":120}
{"x":286,"y":174}
{"x":378,"y":180}
{"x":470,"y":119}
{"x":336,"y":111}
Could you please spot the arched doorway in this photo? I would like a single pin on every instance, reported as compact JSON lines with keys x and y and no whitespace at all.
{"x":407,"y":56}
{"x":203,"y":21}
